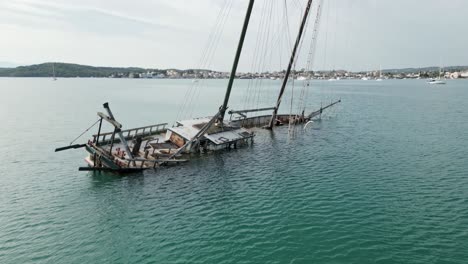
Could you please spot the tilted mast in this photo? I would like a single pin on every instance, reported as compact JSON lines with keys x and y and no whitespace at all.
{"x":223,"y":108}
{"x":291,"y":62}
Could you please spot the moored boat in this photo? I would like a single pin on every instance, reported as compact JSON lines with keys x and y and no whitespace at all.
{"x":436,"y":81}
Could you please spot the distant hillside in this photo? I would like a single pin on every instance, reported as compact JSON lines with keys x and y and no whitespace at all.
{"x":64,"y":70}
{"x":76,"y":70}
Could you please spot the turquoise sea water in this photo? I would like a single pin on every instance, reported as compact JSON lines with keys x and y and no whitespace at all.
{"x":382,"y":178}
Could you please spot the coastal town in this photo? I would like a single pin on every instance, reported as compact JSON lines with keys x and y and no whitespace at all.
{"x":454,"y":73}
{"x":69,"y":70}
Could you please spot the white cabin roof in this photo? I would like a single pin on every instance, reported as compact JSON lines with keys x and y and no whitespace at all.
{"x":228,"y":136}
{"x":187,"y":129}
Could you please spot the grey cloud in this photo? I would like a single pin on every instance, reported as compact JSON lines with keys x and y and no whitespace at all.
{"x":91,"y":20}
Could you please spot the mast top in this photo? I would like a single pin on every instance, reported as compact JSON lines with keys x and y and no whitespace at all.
{"x":291,"y":62}
{"x":224,"y":107}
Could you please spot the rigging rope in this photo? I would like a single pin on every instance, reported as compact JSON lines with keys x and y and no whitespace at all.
{"x":206,"y":57}
{"x":195,"y":102}
{"x":262,"y":62}
{"x":256,"y":58}
{"x":295,"y":116}
{"x":85,"y":131}
{"x":259,"y":62}
{"x":311,"y":58}
{"x":269,"y":40}
{"x":334,"y":39}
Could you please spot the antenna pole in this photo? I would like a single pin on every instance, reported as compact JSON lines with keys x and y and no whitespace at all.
{"x":291,"y":62}
{"x":223,"y":108}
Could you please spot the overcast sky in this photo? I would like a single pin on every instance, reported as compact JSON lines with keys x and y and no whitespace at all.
{"x":354,"y":34}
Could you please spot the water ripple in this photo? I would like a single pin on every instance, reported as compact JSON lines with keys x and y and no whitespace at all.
{"x":383,"y":182}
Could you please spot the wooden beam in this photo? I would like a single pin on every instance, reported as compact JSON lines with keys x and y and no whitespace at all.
{"x":318,"y":112}
{"x":122,"y":170}
{"x":251,"y":110}
{"x":111,"y":121}
{"x":163,"y":125}
{"x":70,"y":147}
{"x":157,"y":160}
{"x":119,"y":132}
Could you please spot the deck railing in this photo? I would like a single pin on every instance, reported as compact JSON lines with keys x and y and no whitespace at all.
{"x":132,"y":133}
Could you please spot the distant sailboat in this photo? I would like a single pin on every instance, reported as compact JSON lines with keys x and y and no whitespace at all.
{"x":380,"y":75}
{"x":53,"y":72}
{"x":438,"y":80}
{"x":334,"y":78}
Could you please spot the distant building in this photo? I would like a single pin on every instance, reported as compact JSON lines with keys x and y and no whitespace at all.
{"x":172,"y":74}
{"x":147,"y":75}
{"x":454,"y":75}
{"x":133,"y":75}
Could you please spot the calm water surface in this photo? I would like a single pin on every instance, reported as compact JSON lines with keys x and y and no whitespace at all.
{"x":383,"y":178}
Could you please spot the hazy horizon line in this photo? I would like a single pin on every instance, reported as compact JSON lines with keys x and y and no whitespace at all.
{"x":13,"y":65}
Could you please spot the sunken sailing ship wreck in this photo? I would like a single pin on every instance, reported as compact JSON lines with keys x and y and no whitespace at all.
{"x":157,"y":145}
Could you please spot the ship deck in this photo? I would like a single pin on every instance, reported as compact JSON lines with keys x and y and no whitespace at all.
{"x":152,"y":146}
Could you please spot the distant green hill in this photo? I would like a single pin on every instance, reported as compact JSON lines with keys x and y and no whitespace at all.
{"x":76,"y":70}
{"x":64,"y":70}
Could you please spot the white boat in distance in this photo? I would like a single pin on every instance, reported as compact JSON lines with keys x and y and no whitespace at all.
{"x":438,"y":80}
{"x":380,"y":75}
